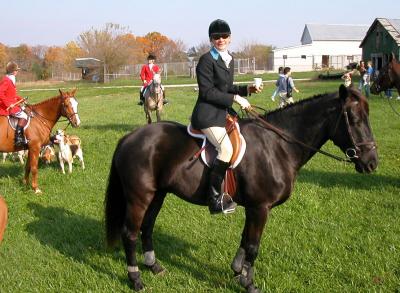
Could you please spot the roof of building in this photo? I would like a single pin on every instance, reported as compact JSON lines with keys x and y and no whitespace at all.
{"x":334,"y":32}
{"x":87,"y":62}
{"x":392,"y":26}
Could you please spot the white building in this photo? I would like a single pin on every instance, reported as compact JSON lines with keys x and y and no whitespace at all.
{"x":322,"y":46}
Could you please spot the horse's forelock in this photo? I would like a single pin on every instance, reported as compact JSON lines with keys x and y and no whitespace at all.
{"x":362,"y":100}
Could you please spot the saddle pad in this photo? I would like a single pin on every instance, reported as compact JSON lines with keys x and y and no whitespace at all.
{"x":209,"y":153}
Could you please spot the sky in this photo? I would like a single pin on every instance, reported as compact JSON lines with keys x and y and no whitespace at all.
{"x":276,"y":23}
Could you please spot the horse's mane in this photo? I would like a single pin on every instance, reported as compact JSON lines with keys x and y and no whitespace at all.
{"x":45,"y":101}
{"x":296,"y":106}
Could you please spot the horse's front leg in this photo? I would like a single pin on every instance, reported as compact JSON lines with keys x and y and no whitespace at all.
{"x":246,"y":255}
{"x":158,"y":115}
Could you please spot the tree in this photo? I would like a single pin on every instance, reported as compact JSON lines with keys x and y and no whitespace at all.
{"x":259,"y":51}
{"x":106,"y":44}
{"x":3,"y":56}
{"x":71,"y":52}
{"x":155,"y":43}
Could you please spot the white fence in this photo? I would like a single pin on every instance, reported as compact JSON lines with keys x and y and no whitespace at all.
{"x":242,"y":66}
{"x":312,"y":62}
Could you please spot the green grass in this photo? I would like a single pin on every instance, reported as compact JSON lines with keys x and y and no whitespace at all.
{"x":339,"y":232}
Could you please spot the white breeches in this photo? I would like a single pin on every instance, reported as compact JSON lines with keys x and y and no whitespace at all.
{"x":21,"y":114}
{"x":220,"y":139}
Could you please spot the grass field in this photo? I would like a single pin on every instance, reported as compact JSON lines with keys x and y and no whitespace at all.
{"x":339,"y":232}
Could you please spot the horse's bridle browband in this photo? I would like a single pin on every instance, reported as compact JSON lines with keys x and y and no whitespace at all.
{"x":351,"y":153}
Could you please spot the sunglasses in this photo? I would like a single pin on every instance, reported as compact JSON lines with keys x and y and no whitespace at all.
{"x":218,"y":36}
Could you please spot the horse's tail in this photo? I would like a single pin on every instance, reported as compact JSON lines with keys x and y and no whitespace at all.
{"x":115,"y":205}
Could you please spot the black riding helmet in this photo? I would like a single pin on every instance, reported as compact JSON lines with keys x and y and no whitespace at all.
{"x":151,"y":57}
{"x":218,"y":26}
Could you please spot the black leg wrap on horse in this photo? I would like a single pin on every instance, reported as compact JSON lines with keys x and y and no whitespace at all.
{"x":134,"y":277}
{"x":238,"y":261}
{"x":246,"y":277}
{"x":216,"y":201}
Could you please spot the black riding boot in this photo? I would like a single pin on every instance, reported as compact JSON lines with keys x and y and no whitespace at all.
{"x":141,"y":101}
{"x":19,"y":137}
{"x":218,"y":203}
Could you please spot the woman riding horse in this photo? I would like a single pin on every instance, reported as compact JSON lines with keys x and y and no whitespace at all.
{"x":216,"y":96}
{"x":10,"y":103}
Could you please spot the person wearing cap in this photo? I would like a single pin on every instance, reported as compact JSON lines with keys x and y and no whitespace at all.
{"x":10,"y":102}
{"x":215,"y":99}
{"x":146,"y":75}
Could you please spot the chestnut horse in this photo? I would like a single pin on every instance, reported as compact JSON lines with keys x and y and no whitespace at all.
{"x":389,"y":77}
{"x":141,"y":175}
{"x":3,"y":217}
{"x":44,"y":116}
{"x":154,"y":98}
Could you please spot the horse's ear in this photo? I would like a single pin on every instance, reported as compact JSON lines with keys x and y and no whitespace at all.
{"x":74,"y":91}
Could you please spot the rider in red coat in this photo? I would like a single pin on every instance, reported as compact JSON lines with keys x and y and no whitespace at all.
{"x":10,"y":102}
{"x":146,"y":75}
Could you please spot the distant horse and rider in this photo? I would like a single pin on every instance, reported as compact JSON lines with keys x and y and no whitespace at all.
{"x":140,"y":178}
{"x":154,"y":97}
{"x":41,"y":119}
{"x":152,"y":93}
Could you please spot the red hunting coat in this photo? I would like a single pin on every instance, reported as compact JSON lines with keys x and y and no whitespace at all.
{"x":8,"y":96}
{"x":147,"y":75}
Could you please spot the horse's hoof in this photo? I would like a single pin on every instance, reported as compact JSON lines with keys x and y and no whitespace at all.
{"x":157,"y":269}
{"x":38,"y":191}
{"x":253,"y":289}
{"x":137,"y":284}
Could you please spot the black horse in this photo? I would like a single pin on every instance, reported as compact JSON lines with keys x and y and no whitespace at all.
{"x":156,"y":159}
{"x":389,"y":77}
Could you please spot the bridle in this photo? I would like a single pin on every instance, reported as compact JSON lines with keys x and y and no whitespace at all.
{"x":351,"y":153}
{"x":354,"y":151}
{"x":43,"y":119}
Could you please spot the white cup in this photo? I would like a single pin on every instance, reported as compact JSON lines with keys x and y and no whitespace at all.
{"x":258,"y":82}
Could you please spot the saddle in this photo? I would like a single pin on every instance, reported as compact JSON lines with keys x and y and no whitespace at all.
{"x":208,"y":152}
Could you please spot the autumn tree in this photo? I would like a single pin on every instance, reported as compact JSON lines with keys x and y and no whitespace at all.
{"x":155,"y":43}
{"x":71,"y":52}
{"x":3,"y":57}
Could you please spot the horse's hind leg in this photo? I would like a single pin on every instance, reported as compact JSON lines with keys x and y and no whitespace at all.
{"x":135,"y":212}
{"x":147,"y":233}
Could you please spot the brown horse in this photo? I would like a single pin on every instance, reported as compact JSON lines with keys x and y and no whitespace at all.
{"x":140,"y":177}
{"x":44,"y":116}
{"x":3,"y":217}
{"x":389,"y":77}
{"x":153,"y":98}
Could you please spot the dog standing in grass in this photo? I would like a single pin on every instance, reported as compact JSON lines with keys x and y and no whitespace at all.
{"x":3,"y":217}
{"x":21,"y":155}
{"x":69,"y":147}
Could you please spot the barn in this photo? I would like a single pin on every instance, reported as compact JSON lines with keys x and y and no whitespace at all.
{"x":322,"y":46}
{"x":92,"y":69}
{"x":381,"y":40}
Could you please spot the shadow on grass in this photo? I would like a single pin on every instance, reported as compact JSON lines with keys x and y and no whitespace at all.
{"x":82,"y":239}
{"x":352,"y":180}
{"x":14,"y":170}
